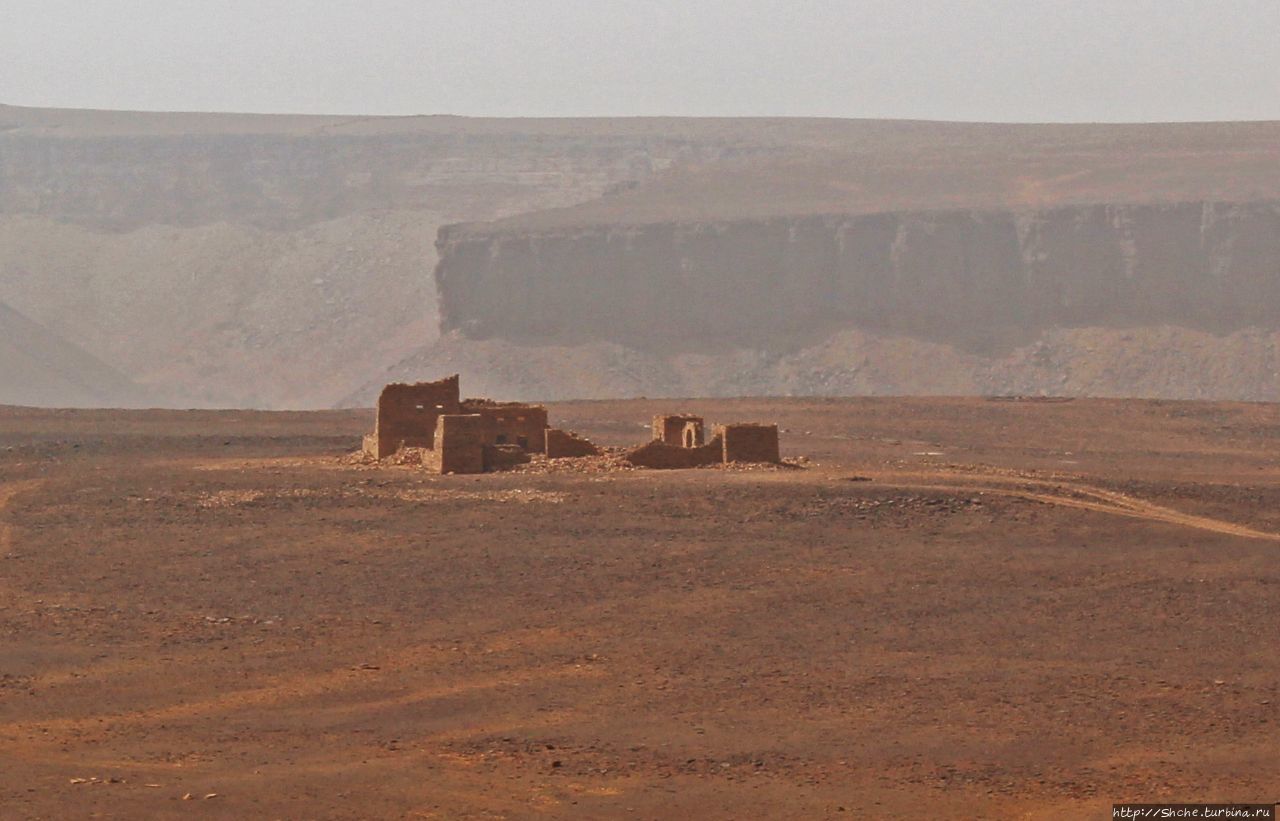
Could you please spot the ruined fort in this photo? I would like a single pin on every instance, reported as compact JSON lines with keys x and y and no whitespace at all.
{"x":456,"y":435}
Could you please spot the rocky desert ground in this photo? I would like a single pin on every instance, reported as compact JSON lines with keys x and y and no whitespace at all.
{"x":958,"y":608}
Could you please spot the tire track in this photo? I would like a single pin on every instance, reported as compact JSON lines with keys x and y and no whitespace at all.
{"x":7,"y":492}
{"x":1073,"y":494}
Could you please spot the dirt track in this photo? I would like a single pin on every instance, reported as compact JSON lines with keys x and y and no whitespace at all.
{"x":986,"y":609}
{"x":1064,"y":493}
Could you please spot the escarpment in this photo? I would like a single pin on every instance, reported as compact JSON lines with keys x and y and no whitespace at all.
{"x":984,"y":281}
{"x":284,"y":261}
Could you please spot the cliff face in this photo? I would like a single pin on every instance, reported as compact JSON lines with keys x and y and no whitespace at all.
{"x":982,"y":281}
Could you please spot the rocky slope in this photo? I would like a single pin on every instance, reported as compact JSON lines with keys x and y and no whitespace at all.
{"x":1166,"y":362}
{"x":39,"y":368}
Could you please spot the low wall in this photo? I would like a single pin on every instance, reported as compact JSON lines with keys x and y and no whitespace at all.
{"x":662,"y":456}
{"x":562,"y":444}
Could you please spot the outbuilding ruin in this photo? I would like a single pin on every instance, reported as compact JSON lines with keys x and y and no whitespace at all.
{"x":678,"y":443}
{"x":456,"y":435}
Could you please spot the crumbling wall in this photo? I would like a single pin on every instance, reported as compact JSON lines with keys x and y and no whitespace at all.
{"x":670,"y":428}
{"x":512,"y":423}
{"x":561,"y":444}
{"x":407,"y":415}
{"x":747,"y":442}
{"x":460,"y":441}
{"x":504,"y":457}
{"x":663,"y":456}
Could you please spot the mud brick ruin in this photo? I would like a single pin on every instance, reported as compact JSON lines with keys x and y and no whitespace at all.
{"x":457,"y":435}
{"x":563,"y":444}
{"x":677,"y":443}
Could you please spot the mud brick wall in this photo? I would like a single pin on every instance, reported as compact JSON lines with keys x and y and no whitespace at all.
{"x":669,"y":429}
{"x":504,"y":457}
{"x":662,"y":456}
{"x":460,"y":441}
{"x":750,"y":443}
{"x":512,"y":423}
{"x":407,"y":415}
{"x":561,"y":444}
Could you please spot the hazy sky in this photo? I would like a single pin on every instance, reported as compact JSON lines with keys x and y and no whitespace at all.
{"x":1014,"y":60}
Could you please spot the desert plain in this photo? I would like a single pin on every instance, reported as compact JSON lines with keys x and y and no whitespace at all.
{"x":952,"y":608}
